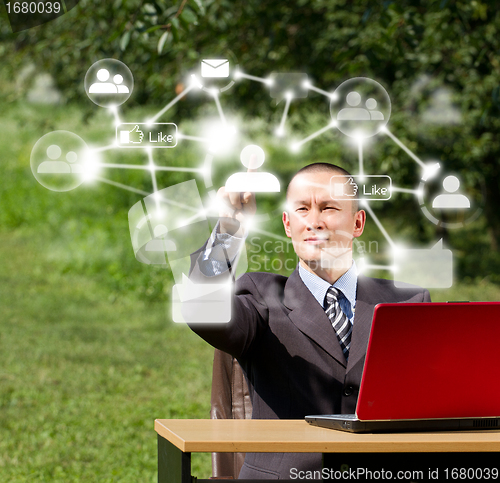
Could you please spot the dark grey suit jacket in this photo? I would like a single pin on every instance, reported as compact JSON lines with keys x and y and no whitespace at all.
{"x":291,"y":356}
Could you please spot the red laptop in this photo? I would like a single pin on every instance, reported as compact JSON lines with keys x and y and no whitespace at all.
{"x":441,"y":362}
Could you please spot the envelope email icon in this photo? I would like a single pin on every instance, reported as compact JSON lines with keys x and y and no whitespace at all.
{"x":215,"y":68}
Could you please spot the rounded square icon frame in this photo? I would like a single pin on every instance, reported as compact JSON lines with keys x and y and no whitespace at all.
{"x":360,"y":107}
{"x":109,"y":83}
{"x":55,"y":160}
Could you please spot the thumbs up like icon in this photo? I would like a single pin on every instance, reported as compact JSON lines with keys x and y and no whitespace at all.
{"x":135,"y":136}
{"x":350,"y":187}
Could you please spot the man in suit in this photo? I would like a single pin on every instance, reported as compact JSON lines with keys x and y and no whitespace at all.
{"x":301,"y":340}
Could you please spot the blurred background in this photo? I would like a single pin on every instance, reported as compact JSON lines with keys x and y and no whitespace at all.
{"x":89,"y":355}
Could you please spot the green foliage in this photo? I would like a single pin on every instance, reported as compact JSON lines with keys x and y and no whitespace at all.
{"x":416,"y":49}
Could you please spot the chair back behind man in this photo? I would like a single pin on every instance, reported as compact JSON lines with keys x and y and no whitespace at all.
{"x":230,"y":400}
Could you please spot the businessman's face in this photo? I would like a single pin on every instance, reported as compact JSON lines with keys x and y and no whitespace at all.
{"x":321,"y":228}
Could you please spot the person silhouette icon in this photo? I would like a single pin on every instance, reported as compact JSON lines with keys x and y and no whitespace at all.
{"x":104,"y":87}
{"x":118,"y":79}
{"x":54,"y":166}
{"x":72,"y":159}
{"x":360,"y":108}
{"x":109,"y":83}
{"x":159,"y":243}
{"x":353,"y":113}
{"x":451,"y":200}
{"x":252,"y":157}
{"x":371,"y":104}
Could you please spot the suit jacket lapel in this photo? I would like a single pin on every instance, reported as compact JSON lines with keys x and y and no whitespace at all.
{"x":366,"y":299}
{"x":309,"y":317}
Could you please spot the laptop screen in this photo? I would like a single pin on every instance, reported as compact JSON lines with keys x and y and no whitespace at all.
{"x":432,"y":360}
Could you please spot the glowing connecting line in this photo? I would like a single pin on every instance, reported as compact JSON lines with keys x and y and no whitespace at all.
{"x":122,"y":186}
{"x":104,"y":148}
{"x":238,"y":75}
{"x":367,"y":207}
{"x":196,"y":217}
{"x":296,"y":145}
{"x":330,"y":95}
{"x":160,"y":197}
{"x":430,"y":171}
{"x":174,"y":101}
{"x":281,"y":129}
{"x":152,"y":168}
{"x":114,"y":110}
{"x":215,"y":95}
{"x":143,"y":167}
{"x":196,"y":82}
{"x":192,"y":138}
{"x":405,"y":190}
{"x":360,"y":156}
{"x":404,"y":148}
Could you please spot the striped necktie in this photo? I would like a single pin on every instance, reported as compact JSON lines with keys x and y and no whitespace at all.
{"x":340,"y":322}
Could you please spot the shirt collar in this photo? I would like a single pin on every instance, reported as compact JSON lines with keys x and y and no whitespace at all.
{"x":347,"y":284}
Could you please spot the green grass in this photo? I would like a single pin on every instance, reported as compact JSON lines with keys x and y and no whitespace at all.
{"x":481,"y":291}
{"x":82,"y":378}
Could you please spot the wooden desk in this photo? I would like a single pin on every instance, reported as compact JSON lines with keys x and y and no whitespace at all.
{"x":178,"y":438}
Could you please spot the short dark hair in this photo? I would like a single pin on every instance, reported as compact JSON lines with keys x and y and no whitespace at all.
{"x":322,"y":167}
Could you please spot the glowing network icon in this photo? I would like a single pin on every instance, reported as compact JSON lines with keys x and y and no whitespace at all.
{"x":61,"y":161}
{"x":109,"y":83}
{"x":360,"y":108}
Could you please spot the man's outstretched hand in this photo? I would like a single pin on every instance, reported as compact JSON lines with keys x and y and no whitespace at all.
{"x":235,"y":210}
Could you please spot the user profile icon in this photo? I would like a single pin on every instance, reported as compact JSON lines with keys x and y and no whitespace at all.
{"x":109,"y":83}
{"x":252,"y":157}
{"x":451,"y":199}
{"x":360,"y":107}
{"x":61,"y":161}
